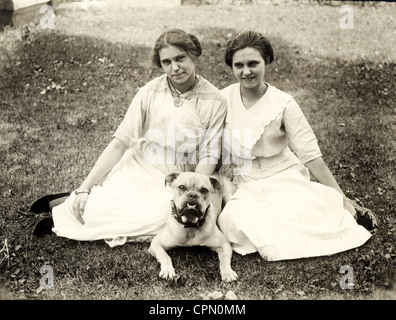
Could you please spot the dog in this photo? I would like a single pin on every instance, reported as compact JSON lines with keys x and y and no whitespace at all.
{"x":196,"y":205}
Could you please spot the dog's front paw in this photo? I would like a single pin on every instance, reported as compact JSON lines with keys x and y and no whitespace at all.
{"x":229,"y":275}
{"x":167,"y":273}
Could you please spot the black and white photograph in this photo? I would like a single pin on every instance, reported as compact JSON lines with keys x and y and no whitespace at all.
{"x":206,"y":152}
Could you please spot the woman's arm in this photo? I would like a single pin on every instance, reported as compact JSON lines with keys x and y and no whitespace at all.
{"x":106,"y":161}
{"x":206,"y":169}
{"x":210,"y":149}
{"x":304,"y":143}
{"x":323,"y":174}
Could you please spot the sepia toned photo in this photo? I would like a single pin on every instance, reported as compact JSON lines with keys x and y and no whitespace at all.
{"x":214,"y":152}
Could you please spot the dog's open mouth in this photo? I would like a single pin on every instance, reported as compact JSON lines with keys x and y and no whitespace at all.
{"x":191,"y":212}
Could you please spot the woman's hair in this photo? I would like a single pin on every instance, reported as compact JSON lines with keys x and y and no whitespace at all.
{"x":178,"y":38}
{"x":250,"y":39}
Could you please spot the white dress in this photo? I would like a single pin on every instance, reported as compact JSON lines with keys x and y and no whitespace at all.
{"x":162,"y":138}
{"x":277,"y":211}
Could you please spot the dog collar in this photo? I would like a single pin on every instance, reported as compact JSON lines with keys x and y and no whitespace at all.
{"x":177,"y":216}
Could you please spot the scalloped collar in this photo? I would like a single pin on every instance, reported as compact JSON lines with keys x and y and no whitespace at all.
{"x":257,"y":117}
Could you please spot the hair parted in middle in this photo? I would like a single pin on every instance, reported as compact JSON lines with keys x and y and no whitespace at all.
{"x":249,"y":39}
{"x":178,"y":38}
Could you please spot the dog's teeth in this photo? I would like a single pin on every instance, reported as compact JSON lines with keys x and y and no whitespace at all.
{"x":189,"y":206}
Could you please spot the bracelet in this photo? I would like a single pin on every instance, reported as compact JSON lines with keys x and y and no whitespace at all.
{"x":82,"y":191}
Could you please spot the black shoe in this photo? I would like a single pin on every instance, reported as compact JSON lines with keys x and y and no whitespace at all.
{"x":43,"y":227}
{"x":366,"y":218}
{"x":43,"y":204}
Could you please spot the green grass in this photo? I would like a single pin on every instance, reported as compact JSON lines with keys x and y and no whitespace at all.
{"x":64,"y":91}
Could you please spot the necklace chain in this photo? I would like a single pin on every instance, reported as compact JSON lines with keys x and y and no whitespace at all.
{"x":177,"y":95}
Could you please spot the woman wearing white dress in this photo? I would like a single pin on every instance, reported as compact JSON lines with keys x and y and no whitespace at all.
{"x":174,"y":123}
{"x":277,"y":211}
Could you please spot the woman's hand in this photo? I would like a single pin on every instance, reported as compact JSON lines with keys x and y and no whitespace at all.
{"x":107,"y":160}
{"x":79,"y":205}
{"x":363,"y":216}
{"x":350,"y":205}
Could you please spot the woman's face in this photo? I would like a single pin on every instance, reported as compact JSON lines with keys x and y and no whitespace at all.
{"x":249,"y":67}
{"x":178,"y":66}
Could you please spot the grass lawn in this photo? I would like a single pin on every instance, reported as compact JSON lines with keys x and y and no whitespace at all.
{"x":63,"y":92}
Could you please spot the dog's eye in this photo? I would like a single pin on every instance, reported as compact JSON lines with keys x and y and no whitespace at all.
{"x":204,"y":191}
{"x":182,"y":188}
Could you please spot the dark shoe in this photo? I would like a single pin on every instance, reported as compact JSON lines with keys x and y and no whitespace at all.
{"x":366,"y":218}
{"x":43,"y":227}
{"x":43,"y":204}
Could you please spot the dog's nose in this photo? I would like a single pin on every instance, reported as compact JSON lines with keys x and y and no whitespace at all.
{"x":193,"y":196}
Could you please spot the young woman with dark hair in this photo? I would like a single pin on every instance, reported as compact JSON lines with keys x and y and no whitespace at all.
{"x":174,"y":123}
{"x":277,"y":210}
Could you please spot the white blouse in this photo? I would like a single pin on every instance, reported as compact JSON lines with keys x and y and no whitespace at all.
{"x":268,"y":132}
{"x":190,"y":133}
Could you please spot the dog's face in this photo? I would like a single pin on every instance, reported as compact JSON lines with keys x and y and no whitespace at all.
{"x":191,"y":194}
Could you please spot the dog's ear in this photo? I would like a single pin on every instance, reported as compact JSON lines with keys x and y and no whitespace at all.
{"x":215,"y":183}
{"x":170,"y":178}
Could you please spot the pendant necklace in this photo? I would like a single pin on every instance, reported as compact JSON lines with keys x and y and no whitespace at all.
{"x":177,"y":102}
{"x":177,"y":95}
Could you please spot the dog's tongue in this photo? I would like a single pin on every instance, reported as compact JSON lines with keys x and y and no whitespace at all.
{"x":189,"y":218}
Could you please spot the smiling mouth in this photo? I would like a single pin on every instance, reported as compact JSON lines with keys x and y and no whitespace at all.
{"x":177,"y":76}
{"x":248,"y":79}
